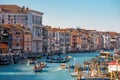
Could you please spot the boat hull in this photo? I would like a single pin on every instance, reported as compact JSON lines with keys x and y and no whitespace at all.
{"x":37,"y":70}
{"x":56,"y":61}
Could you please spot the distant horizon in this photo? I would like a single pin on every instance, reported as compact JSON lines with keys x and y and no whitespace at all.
{"x":81,"y":28}
{"x":100,"y":15}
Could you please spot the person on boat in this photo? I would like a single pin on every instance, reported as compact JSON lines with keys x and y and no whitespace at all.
{"x":36,"y":61}
{"x":35,"y":67}
{"x":39,"y":67}
{"x":39,"y":64}
{"x":59,"y":59}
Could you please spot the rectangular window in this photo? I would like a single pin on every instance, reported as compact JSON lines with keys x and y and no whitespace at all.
{"x":17,"y":32}
{"x":33,"y":19}
{"x":40,"y":21}
{"x":2,"y":21}
{"x":26,"y":18}
{"x":14,"y":21}
{"x":8,"y":16}
{"x":8,"y":19}
{"x":2,"y":16}
{"x":14,"y":16}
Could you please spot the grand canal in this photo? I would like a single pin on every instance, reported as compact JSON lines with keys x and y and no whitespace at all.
{"x":22,"y":71}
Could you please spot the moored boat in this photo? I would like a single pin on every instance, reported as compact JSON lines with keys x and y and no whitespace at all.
{"x":5,"y":62}
{"x":58,"y":60}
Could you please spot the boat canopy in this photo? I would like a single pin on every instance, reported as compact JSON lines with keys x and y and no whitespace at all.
{"x":105,"y":53}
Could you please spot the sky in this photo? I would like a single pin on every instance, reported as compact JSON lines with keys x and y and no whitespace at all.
{"x":101,"y":15}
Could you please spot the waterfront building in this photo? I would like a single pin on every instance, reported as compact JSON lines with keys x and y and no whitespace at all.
{"x":64,"y":42}
{"x":99,"y":40}
{"x":87,"y":39}
{"x":20,"y":37}
{"x":55,"y":40}
{"x":56,"y":32}
{"x":5,"y":40}
{"x":114,"y":40}
{"x":106,"y":40}
{"x":92,"y":40}
{"x":13,"y":14}
{"x":74,"y":40}
{"x":27,"y":40}
{"x":17,"y":37}
{"x":48,"y":36}
{"x":84,"y":44}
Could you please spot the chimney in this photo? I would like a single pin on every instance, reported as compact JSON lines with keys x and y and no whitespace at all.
{"x":27,"y":9}
{"x":23,"y":9}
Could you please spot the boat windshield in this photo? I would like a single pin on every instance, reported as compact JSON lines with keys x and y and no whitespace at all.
{"x":105,"y":54}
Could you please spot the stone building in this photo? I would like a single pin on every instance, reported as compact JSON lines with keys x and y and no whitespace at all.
{"x":20,"y":38}
{"x":13,"y":14}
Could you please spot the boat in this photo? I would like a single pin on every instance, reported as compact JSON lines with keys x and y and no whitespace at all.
{"x":37,"y":68}
{"x":116,"y":53}
{"x":4,"y":62}
{"x":76,"y":70}
{"x":74,"y":74}
{"x":58,"y":60}
{"x":105,"y":54}
{"x":63,"y":66}
{"x":69,"y":57}
{"x":42,"y":64}
{"x":39,"y":56}
{"x":31,"y":61}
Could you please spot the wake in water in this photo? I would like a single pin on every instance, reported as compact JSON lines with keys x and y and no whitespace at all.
{"x":56,"y":69}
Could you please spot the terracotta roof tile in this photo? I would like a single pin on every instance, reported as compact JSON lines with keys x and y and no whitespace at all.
{"x":13,"y":8}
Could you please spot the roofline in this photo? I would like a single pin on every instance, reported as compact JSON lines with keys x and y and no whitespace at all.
{"x":37,"y":11}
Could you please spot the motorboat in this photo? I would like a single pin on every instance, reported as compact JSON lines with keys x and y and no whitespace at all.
{"x":69,"y":57}
{"x":63,"y":66}
{"x":42,"y":64}
{"x":37,"y":68}
{"x":74,"y":74}
{"x":58,"y":60}
{"x":105,"y":54}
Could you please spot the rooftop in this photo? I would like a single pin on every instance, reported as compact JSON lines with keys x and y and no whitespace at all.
{"x":16,"y":9}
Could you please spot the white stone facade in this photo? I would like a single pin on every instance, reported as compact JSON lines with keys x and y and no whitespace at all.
{"x":106,"y":41}
{"x":31,"y":19}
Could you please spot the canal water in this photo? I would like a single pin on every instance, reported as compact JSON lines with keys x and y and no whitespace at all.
{"x":22,"y":71}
